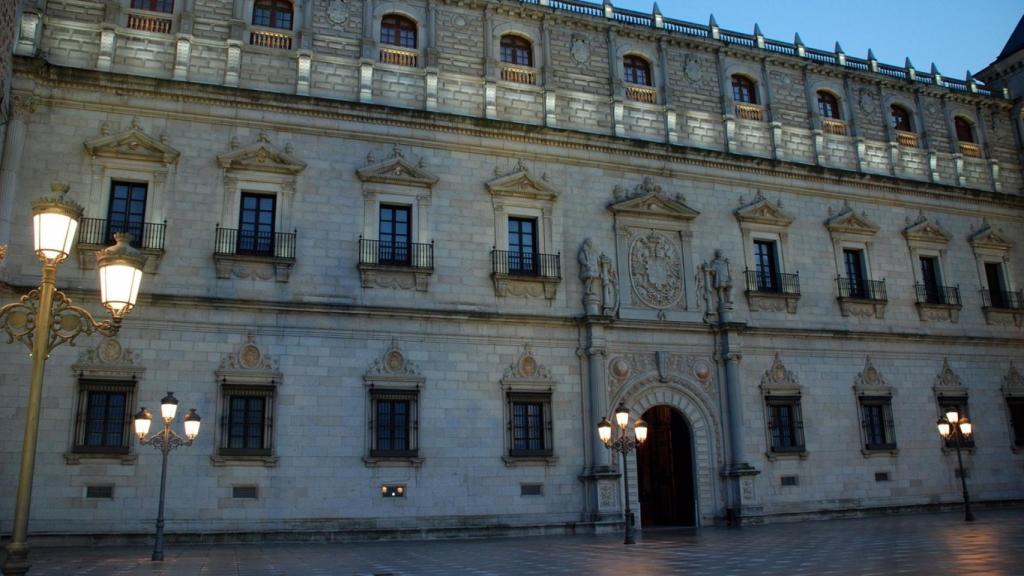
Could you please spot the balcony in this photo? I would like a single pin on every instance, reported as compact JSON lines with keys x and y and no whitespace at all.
{"x":908,"y":139}
{"x":268,"y":39}
{"x":145,"y":21}
{"x":644,"y":94}
{"x":519,"y":75}
{"x":862,"y":298}
{"x":970,"y":149}
{"x":95,"y":234}
{"x":772,"y":292}
{"x":403,"y":265}
{"x":1003,"y":307}
{"x":399,"y":57}
{"x":248,"y":254}
{"x":938,"y":303}
{"x":833,"y":126}
{"x":749,"y":112}
{"x":525,"y":274}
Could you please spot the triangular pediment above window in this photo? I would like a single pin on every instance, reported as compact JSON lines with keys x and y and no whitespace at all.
{"x":398,"y":171}
{"x":988,"y":238}
{"x":655,"y":204}
{"x":947,"y":382}
{"x":261,"y":157}
{"x":850,"y":222}
{"x":1013,"y":383}
{"x":927,"y":231}
{"x":763,"y":211}
{"x":522,"y":184}
{"x":132,"y":144}
{"x":778,"y":379}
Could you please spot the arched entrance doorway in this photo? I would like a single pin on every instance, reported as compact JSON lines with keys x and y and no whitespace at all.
{"x":664,"y":466}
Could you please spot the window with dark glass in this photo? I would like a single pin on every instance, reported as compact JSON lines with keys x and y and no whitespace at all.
{"x":876,"y":420}
{"x":997,"y":290}
{"x":828,"y":105}
{"x":396,"y":30}
{"x":103,"y":417}
{"x":127,"y":210}
{"x":529,"y":424}
{"x":785,"y":423}
{"x":766,"y":266}
{"x":154,"y":5}
{"x":246,"y":422}
{"x":393,"y":236}
{"x":964,"y":130}
{"x":1016,"y":408}
{"x":637,"y":70}
{"x":900,"y":118}
{"x":516,"y":50}
{"x":743,"y":89}
{"x":958,"y":403}
{"x":272,"y":14}
{"x":930,"y":279}
{"x":393,"y":423}
{"x":256,"y":224}
{"x":522,"y":246}
{"x":853,"y":260}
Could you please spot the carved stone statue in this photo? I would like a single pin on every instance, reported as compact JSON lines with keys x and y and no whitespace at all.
{"x":590,"y":274}
{"x":609,"y":287}
{"x":715,"y":277}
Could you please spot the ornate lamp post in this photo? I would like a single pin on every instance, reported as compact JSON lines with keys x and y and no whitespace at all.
{"x":954,"y":427}
{"x":623,"y":444}
{"x":45,"y":318}
{"x":165,"y":440}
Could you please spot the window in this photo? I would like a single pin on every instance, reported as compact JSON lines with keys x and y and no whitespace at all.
{"x":997,"y":292}
{"x":393,"y":422}
{"x":394,"y":231}
{"x":247,"y":420}
{"x":516,"y":50}
{"x":958,"y":403}
{"x":103,"y":420}
{"x":154,"y":5}
{"x":272,"y":14}
{"x":1016,"y":409}
{"x":828,"y":105}
{"x":785,"y":424}
{"x":256,"y":224}
{"x":900,"y":118}
{"x":766,"y":266}
{"x":397,"y":30}
{"x":637,"y":70}
{"x":127,"y":211}
{"x":529,"y":424}
{"x":522,"y":246}
{"x":930,"y":281}
{"x":853,"y":262}
{"x":876,"y":420}
{"x":743,"y":89}
{"x":964,"y":130}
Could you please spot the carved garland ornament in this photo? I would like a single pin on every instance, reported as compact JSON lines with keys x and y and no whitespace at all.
{"x":655,"y":266}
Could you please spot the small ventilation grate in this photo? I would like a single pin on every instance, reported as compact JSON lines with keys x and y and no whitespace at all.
{"x":246,"y":492}
{"x":99,"y":491}
{"x":881,"y":476}
{"x":531,"y":489}
{"x":790,"y":480}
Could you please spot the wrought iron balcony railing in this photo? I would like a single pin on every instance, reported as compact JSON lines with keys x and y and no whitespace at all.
{"x":528,"y":264}
{"x":100,"y":232}
{"x":766,"y":282}
{"x":396,"y":254}
{"x":1003,"y":299}
{"x":932,"y":294}
{"x":231,"y":242}
{"x":861,"y":289}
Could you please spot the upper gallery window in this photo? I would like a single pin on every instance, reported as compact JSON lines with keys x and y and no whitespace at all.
{"x":637,"y":70}
{"x":272,"y":14}
{"x":743,"y":89}
{"x":964,"y":129}
{"x":828,"y":105}
{"x":516,"y":50}
{"x":154,"y":5}
{"x":397,"y":30}
{"x":900,"y":118}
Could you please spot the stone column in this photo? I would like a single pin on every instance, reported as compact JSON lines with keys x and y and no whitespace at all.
{"x":601,"y":482}
{"x":22,"y":107}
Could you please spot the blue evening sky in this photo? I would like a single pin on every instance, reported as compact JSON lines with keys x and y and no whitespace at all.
{"x":956,"y":35}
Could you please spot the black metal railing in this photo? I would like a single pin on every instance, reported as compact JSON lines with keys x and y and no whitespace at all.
{"x":251,"y":243}
{"x":1003,"y":299}
{"x":764,"y":281}
{"x":861,"y":289}
{"x":100,"y":232}
{"x":398,"y":254}
{"x":933,"y":294}
{"x":504,"y":262}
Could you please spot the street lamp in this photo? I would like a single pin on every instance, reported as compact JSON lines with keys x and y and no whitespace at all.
{"x":165,"y":440}
{"x":45,"y":318}
{"x":954,"y":427}
{"x":623,"y":444}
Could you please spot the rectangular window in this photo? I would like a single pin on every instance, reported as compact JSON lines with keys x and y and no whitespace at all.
{"x":522,"y":246}
{"x":876,"y":420}
{"x":256,"y":224}
{"x":247,"y":420}
{"x":103,"y":417}
{"x":958,"y":403}
{"x":393,"y":423}
{"x":766,"y":266}
{"x":529,"y":424}
{"x":785,"y":423}
{"x":997,"y":289}
{"x":1016,"y":406}
{"x":393,"y":235}
{"x":127,"y":210}
{"x":853,"y":261}
{"x":930,"y":280}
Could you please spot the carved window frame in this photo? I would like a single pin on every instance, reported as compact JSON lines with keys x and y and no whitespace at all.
{"x":871,"y":388}
{"x":532,"y":34}
{"x":763,"y":220}
{"x":248,"y":371}
{"x":927,"y":239}
{"x":949,"y":390}
{"x":393,"y":374}
{"x":850,"y":230}
{"x":414,"y":13}
{"x":780,"y":386}
{"x":991,"y":246}
{"x":1013,"y":395}
{"x":528,"y":380}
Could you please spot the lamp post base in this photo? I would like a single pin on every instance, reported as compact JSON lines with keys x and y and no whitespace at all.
{"x":16,"y":563}
{"x":158,"y":556}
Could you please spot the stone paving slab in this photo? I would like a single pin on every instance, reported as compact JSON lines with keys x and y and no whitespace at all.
{"x":923,"y":544}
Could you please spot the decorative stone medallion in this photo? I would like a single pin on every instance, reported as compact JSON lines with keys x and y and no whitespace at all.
{"x":620,"y":368}
{"x":110,"y":350}
{"x":693,"y":68}
{"x":336,"y":11}
{"x":249,"y":356}
{"x":580,"y":49}
{"x":655,"y":263}
{"x":866,"y":100}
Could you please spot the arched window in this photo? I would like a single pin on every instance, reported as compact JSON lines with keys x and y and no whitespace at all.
{"x":828,"y":105}
{"x":964,"y":130}
{"x":743,"y":89}
{"x":637,"y":70}
{"x":900,"y":118}
{"x":272,"y":14}
{"x":154,"y":5}
{"x":398,"y":30}
{"x":516,"y":50}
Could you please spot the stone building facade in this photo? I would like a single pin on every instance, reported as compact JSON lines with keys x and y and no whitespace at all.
{"x":403,"y":257}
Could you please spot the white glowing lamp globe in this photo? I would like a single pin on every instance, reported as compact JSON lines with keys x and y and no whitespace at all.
{"x":192,"y":424}
{"x":640,"y":429}
{"x":142,"y":421}
{"x":944,"y":428}
{"x":953,"y":415}
{"x":604,"y":431}
{"x":168,"y":406}
{"x":966,"y":428}
{"x":120,"y":268}
{"x":622,"y":416}
{"x":55,"y":223}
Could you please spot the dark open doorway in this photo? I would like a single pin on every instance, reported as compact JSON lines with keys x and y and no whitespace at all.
{"x":665,"y":470}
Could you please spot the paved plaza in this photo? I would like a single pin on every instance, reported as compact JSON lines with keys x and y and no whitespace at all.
{"x":926,"y":544}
